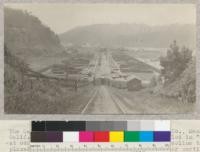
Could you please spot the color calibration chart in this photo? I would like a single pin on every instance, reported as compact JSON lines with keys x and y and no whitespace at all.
{"x":100,"y":136}
{"x":101,"y":131}
{"x":123,"y":136}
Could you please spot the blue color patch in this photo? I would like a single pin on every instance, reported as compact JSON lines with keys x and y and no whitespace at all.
{"x":162,"y":136}
{"x":146,"y":136}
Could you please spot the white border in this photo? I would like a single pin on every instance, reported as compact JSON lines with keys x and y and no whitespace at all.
{"x":195,"y":115}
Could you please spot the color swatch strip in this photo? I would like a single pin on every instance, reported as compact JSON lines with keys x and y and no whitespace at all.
{"x":101,"y":136}
{"x":101,"y":131}
{"x":143,"y":125}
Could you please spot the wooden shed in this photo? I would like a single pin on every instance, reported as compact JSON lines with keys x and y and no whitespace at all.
{"x":134,"y":84}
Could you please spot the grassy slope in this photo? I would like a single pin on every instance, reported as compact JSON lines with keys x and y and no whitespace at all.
{"x":145,"y":102}
{"x":44,"y":96}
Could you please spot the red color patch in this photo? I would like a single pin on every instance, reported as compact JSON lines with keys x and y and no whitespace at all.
{"x":101,"y":136}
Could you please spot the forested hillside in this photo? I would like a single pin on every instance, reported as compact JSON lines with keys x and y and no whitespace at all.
{"x":135,"y":35}
{"x":27,"y":36}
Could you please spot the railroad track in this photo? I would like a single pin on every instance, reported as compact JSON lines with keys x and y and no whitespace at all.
{"x":89,"y":102}
{"x":118,"y":104}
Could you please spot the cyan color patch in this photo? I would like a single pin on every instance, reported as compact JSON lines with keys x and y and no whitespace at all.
{"x":146,"y":136}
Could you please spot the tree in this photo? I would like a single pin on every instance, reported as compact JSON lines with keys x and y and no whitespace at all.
{"x":188,"y":83}
{"x":175,"y":62}
{"x":153,"y":81}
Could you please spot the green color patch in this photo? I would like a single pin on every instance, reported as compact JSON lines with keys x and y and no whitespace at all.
{"x":131,"y":136}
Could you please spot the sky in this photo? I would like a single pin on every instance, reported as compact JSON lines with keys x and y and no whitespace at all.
{"x":63,"y":17}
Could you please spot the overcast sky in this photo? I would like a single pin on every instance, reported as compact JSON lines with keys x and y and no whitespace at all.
{"x":63,"y":17}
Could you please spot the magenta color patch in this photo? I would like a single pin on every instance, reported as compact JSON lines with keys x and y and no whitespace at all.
{"x":86,"y":136}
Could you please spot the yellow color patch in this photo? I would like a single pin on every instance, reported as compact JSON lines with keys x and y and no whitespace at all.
{"x":116,"y":136}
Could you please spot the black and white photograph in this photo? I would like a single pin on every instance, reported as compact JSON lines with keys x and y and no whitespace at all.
{"x":99,"y":58}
